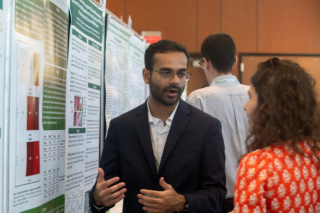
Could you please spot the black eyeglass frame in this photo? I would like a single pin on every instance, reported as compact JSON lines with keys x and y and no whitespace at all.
{"x":174,"y":73}
{"x":201,"y":61}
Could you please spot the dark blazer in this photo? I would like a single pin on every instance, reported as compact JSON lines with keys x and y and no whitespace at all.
{"x":193,"y":160}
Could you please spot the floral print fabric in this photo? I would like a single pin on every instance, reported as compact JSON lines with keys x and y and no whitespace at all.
{"x":277,"y":179}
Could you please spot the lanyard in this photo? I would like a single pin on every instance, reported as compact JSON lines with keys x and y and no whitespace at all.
{"x":227,"y":81}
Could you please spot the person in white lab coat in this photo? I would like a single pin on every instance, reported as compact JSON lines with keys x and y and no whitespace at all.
{"x":224,"y":99}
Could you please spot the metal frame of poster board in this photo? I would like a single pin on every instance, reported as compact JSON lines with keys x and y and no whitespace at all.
{"x":8,"y":7}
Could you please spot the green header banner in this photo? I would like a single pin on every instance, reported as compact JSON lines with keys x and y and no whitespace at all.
{"x":29,"y":18}
{"x":55,"y":205}
{"x":88,"y":18}
{"x":93,"y":86}
{"x":77,"y":130}
{"x":74,"y":32}
{"x":91,"y":43}
{"x":1,"y":5}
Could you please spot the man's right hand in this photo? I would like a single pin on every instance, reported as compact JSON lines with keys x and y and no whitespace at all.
{"x":106,"y":195}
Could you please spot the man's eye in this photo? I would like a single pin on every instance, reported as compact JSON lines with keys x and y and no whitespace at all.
{"x":181,"y":74}
{"x":165,"y":73}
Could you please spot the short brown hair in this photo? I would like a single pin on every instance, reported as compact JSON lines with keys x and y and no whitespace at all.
{"x":287,"y":109}
{"x":220,"y":50}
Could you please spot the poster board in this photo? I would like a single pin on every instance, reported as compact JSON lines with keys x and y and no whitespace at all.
{"x":56,"y":88}
{"x":124,"y":61}
{"x":124,"y":85}
{"x":83,"y":102}
{"x":2,"y":86}
{"x":37,"y":116}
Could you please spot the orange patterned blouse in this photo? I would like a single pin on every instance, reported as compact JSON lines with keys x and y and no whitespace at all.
{"x":277,"y":179}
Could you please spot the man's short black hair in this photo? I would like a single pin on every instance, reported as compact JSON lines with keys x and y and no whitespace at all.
{"x":220,"y":50}
{"x":163,"y":46}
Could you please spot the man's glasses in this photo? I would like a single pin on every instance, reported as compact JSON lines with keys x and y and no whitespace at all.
{"x":201,"y":62}
{"x":168,"y":75}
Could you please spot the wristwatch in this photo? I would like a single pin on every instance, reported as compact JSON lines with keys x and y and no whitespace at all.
{"x":187,"y":207}
{"x":184,"y":210}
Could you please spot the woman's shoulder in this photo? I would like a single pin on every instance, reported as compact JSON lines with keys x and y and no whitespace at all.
{"x":258,"y":155}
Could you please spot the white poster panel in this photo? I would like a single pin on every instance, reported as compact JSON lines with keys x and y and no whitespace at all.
{"x":37,"y":100}
{"x":136,"y":64}
{"x":83,"y":102}
{"x":2,"y":70}
{"x":124,"y":62}
{"x":117,"y":79}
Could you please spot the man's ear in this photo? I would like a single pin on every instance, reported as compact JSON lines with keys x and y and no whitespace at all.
{"x":146,"y":75}
{"x":206,"y":63}
{"x":235,"y":62}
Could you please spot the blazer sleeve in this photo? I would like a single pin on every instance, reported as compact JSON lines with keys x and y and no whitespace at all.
{"x":110,"y":163}
{"x":212,"y":186}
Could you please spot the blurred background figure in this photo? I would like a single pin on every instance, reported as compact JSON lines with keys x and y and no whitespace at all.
{"x":224,"y":99}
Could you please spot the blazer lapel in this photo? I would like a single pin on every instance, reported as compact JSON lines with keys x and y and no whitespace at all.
{"x":143,"y":129}
{"x":180,"y":121}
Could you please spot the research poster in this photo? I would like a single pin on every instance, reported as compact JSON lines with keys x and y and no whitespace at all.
{"x":37,"y":106}
{"x":2,"y":70}
{"x":83,"y":102}
{"x":136,"y":64}
{"x":117,"y":77}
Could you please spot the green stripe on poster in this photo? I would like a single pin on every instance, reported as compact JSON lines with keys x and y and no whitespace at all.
{"x":91,"y":43}
{"x":77,"y":130}
{"x":55,"y":205}
{"x":81,"y":37}
{"x":93,"y":86}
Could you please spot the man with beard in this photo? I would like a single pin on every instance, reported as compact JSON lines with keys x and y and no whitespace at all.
{"x":165,"y":155}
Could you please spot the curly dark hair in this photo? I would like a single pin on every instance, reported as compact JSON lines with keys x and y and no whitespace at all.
{"x":287,"y":110}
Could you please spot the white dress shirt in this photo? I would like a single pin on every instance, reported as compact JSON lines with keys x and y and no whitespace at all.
{"x":224,"y":99}
{"x":159,"y":134}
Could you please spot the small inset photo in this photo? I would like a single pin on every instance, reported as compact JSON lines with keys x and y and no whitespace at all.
{"x":78,"y":102}
{"x":77,"y":119}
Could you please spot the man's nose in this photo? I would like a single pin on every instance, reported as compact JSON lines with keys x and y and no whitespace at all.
{"x":175,"y":79}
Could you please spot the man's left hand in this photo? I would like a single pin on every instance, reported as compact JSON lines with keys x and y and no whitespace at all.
{"x":162,"y":201}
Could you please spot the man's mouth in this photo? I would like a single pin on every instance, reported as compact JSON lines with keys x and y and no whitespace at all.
{"x":172,"y":92}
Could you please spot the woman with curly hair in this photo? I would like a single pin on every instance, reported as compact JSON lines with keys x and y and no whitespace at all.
{"x":281,"y":173}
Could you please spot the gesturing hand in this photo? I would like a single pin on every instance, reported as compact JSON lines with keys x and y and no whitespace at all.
{"x":106,"y":195}
{"x":162,"y":201}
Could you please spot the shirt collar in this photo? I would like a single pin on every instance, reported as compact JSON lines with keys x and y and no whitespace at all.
{"x":156,"y":121}
{"x":223,"y":77}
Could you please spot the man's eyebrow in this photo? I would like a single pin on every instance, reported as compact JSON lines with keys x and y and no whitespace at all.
{"x":170,"y":69}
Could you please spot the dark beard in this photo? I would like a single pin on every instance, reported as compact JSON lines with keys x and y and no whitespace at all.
{"x":157,"y":93}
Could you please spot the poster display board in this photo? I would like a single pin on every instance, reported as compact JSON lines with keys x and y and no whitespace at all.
{"x":136,"y":65}
{"x":116,"y":69}
{"x":38,"y":96}
{"x":124,"y":61}
{"x":83,"y":102}
{"x":56,"y":82}
{"x":2,"y":70}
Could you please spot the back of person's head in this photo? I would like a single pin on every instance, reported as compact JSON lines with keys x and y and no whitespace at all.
{"x":287,"y":110}
{"x":162,"y":46}
{"x":220,"y":50}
